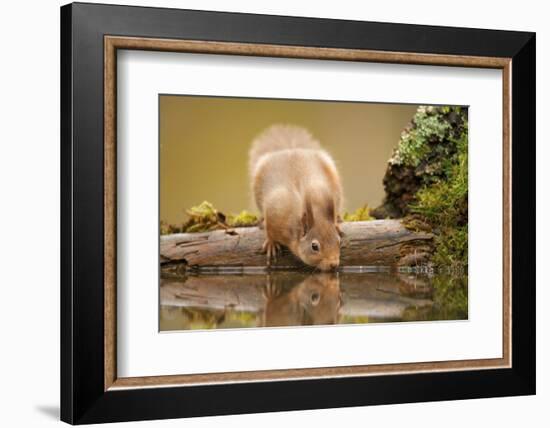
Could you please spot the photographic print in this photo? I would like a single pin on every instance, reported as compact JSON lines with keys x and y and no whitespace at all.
{"x":290,"y":212}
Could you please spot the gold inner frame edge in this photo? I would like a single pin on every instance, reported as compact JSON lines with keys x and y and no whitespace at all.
{"x":113,"y":43}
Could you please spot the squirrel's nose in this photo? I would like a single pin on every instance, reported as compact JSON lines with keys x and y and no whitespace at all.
{"x":334,"y":265}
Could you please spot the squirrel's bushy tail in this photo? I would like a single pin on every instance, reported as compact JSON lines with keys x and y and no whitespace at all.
{"x":280,"y":137}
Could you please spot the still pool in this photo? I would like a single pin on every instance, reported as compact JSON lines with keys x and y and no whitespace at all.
{"x":242,"y":300}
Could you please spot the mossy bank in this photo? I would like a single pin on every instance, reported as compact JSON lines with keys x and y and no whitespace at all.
{"x":426,"y":181}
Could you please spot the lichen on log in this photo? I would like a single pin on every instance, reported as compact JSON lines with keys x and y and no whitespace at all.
{"x":429,"y":147}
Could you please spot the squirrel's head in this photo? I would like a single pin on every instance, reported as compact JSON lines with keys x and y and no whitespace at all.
{"x":319,"y":245}
{"x":317,"y":299}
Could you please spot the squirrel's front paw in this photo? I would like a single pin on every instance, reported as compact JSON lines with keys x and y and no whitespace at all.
{"x":272,"y":289}
{"x":271,"y":249}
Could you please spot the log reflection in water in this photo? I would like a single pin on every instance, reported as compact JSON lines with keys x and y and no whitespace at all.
{"x":289,"y":298}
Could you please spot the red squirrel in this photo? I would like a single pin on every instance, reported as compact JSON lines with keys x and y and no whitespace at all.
{"x":298,"y":191}
{"x":316,"y":300}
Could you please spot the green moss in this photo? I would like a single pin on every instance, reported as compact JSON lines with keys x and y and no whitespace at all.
{"x":444,"y":204}
{"x":167,"y":229}
{"x":350,"y":319}
{"x":426,"y":181}
{"x":424,"y":155}
{"x":445,"y":200}
{"x":450,"y":297}
{"x":205,"y":218}
{"x":222,"y":319}
{"x":451,"y":248}
{"x":416,"y":223}
{"x":243,"y":219}
{"x":360,"y":214}
{"x":203,"y":211}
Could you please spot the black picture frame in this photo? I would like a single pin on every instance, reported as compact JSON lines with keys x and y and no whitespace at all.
{"x":83,"y":398}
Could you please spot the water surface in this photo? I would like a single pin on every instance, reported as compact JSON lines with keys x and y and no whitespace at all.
{"x":231,"y":300}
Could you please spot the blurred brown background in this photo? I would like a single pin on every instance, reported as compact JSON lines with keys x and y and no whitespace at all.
{"x":204,"y":144}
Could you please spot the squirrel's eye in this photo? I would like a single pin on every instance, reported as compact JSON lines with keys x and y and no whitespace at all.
{"x":315,"y":246}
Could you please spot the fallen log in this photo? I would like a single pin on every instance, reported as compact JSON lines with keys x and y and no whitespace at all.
{"x":365,"y":243}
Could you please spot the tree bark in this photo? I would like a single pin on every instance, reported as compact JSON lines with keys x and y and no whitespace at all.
{"x":365,"y":243}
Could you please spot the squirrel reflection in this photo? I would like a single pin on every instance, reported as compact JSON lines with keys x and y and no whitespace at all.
{"x":315,"y":300}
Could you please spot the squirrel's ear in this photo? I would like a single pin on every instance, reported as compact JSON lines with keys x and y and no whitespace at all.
{"x":331,"y":211}
{"x":307,"y":218}
{"x":305,"y":224}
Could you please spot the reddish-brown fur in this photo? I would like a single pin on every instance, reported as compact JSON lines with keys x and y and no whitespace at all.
{"x":298,"y":190}
{"x":316,"y":300}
